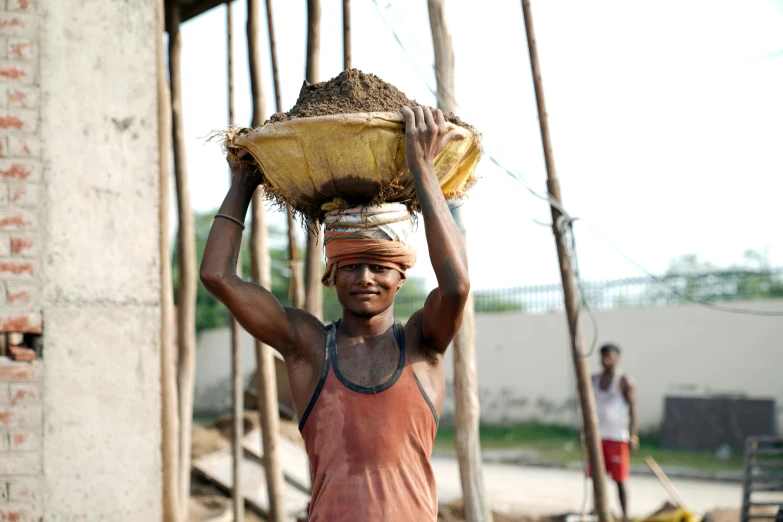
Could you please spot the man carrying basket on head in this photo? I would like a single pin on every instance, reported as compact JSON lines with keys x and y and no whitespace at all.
{"x":367,"y":389}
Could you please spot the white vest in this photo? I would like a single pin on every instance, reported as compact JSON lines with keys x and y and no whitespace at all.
{"x":613,"y":409}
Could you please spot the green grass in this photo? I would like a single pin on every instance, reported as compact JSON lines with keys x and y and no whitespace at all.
{"x":559,"y":445}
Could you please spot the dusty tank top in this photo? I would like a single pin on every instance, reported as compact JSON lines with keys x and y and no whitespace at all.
{"x":370,"y":446}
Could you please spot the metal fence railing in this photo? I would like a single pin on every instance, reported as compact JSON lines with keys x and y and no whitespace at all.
{"x":668,"y":290}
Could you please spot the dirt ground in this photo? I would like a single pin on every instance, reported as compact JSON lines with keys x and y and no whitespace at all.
{"x":455,"y":512}
{"x":207,"y":502}
{"x":210,"y":504}
{"x":733,"y":515}
{"x":217,"y":434}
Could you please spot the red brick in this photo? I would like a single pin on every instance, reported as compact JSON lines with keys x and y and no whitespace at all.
{"x":24,"y":120}
{"x":20,"y":295}
{"x":21,"y":5}
{"x":17,"y":23}
{"x":21,"y":49}
{"x":25,"y":490}
{"x":22,"y":322}
{"x":24,"y":393}
{"x":18,"y":371}
{"x":23,"y":195}
{"x":22,"y":96}
{"x":20,"y":464}
{"x":24,"y":146}
{"x":24,"y":416}
{"x":15,"y":219}
{"x":24,"y":441}
{"x":17,"y":269}
{"x":22,"y":353}
{"x":24,"y":246}
{"x":14,"y":512}
{"x":19,"y":170}
{"x":17,"y":71}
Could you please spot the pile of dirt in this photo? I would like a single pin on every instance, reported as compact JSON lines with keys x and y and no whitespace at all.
{"x":722,"y":515}
{"x":665,"y":508}
{"x":208,"y":503}
{"x":350,"y":92}
{"x":205,"y":441}
{"x":223,"y":427}
{"x":734,"y":515}
{"x":225,"y":424}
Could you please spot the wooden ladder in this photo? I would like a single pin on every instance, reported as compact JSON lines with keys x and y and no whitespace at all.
{"x":763,"y":481}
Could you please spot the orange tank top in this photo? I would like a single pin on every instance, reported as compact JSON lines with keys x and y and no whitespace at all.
{"x":370,"y":446}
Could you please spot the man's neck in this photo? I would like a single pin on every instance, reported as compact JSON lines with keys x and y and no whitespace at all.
{"x":366,"y":327}
{"x":609,"y":372}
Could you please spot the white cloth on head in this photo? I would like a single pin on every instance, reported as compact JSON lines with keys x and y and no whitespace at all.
{"x":389,"y":221}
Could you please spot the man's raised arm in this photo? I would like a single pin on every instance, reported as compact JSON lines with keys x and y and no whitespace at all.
{"x":257,"y":310}
{"x":425,"y":137}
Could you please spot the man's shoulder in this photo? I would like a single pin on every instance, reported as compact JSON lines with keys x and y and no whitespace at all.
{"x":309,"y":331}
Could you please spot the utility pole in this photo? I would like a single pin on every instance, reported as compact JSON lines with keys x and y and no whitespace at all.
{"x":315,"y":238}
{"x":466,"y":403}
{"x":237,"y":397}
{"x":570,"y":293}
{"x":186,"y":297}
{"x":168,"y":376}
{"x":346,"y":34}
{"x":296,"y":290}
{"x":266,"y":390}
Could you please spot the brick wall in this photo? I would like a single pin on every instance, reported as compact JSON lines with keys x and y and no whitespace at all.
{"x":21,"y":433}
{"x":20,"y":168}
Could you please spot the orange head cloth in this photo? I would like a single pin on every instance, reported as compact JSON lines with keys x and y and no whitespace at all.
{"x":346,"y":248}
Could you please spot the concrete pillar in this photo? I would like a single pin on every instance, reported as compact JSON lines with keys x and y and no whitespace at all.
{"x":80,"y":428}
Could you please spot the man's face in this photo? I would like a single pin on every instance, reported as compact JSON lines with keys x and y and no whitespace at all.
{"x":365,"y":289}
{"x":609,"y":360}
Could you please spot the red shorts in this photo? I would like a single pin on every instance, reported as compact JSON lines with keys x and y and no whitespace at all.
{"x":617,"y":458}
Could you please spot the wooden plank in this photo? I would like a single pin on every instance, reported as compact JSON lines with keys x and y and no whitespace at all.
{"x":217,"y":467}
{"x":296,"y":465}
{"x":656,"y":469}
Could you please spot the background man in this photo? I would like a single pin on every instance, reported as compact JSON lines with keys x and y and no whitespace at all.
{"x":615,"y":398}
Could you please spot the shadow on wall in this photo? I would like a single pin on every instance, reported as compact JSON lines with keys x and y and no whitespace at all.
{"x":504,"y":407}
{"x":215,"y":398}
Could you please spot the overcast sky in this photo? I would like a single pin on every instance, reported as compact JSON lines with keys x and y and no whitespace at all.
{"x":666,"y":120}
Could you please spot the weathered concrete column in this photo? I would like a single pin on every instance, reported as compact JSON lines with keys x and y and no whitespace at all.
{"x":99,"y":259}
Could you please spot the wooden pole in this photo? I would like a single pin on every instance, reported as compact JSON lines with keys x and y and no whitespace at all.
{"x":168,"y":377}
{"x":313,"y":289}
{"x":346,"y":34}
{"x":186,"y":298}
{"x":312,"y":68}
{"x":466,"y":414}
{"x":237,"y":388}
{"x":570,"y":293}
{"x":296,"y":282}
{"x":665,"y":482}
{"x":266,"y":392}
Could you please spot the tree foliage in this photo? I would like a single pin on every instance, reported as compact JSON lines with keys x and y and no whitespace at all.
{"x":210,"y":313}
{"x":754,"y":278}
